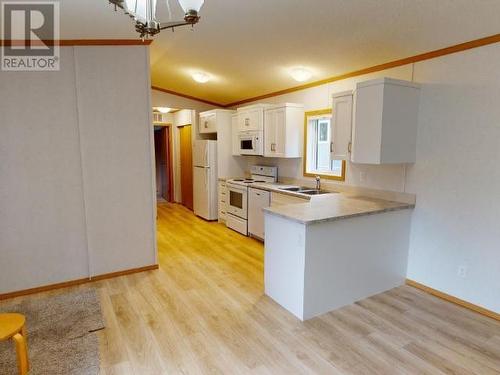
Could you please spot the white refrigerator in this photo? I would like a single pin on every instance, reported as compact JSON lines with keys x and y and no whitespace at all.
{"x":205,"y":179}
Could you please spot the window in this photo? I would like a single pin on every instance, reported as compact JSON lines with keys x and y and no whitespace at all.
{"x":317,"y":139}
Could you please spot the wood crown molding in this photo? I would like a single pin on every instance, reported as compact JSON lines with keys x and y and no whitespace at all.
{"x":67,"y":284}
{"x":455,"y":300}
{"x":79,"y":42}
{"x":392,"y":64}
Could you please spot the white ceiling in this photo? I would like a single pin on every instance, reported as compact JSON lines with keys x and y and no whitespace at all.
{"x":249,"y":46}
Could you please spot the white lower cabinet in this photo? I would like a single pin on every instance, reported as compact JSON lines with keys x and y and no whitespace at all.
{"x":257,"y":200}
{"x":222,"y":201}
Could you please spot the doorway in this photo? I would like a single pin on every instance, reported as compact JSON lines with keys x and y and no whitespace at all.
{"x":163,"y":162}
{"x":186,"y":159}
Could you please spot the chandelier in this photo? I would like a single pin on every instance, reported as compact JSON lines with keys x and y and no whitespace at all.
{"x":144,"y":14}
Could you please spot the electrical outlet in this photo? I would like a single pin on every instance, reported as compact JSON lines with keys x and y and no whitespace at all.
{"x":462,"y":271}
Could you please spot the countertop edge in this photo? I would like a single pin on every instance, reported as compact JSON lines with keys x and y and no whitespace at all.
{"x":270,"y":211}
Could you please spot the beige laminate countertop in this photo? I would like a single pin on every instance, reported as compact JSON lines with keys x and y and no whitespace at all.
{"x":330,"y":207}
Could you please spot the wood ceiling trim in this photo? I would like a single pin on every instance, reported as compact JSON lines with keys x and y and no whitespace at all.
{"x":79,"y":42}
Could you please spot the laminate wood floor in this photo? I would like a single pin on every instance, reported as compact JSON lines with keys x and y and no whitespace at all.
{"x":204,"y":312}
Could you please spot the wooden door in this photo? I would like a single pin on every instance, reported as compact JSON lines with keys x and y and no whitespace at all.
{"x":186,"y":166}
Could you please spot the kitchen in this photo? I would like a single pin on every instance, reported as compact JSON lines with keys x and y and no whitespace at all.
{"x":374,"y":124}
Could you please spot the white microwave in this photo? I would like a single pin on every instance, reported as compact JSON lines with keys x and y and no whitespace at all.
{"x":251,"y":142}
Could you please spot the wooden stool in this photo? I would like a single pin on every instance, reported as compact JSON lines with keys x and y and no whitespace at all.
{"x":12,"y":326}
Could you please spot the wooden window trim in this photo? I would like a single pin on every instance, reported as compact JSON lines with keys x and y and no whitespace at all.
{"x":319,"y":112}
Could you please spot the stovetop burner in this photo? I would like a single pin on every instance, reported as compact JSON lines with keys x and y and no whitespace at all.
{"x":248,"y":180}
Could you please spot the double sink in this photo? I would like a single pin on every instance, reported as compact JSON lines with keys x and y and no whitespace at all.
{"x":305,"y":190}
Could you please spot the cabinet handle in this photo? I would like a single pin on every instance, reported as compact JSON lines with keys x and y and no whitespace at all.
{"x":331,"y":147}
{"x":349,"y":147}
{"x":206,"y":124}
{"x":247,"y":122}
{"x":273,"y":146}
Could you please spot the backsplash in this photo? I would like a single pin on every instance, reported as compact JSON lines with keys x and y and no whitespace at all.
{"x":380,"y":177}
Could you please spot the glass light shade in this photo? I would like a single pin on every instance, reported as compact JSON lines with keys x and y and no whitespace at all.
{"x":163,"y":109}
{"x":201,"y":77}
{"x":130,"y":6}
{"x":142,"y":10}
{"x":191,"y":5}
{"x":301,"y":74}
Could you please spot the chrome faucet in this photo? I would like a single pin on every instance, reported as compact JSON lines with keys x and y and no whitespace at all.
{"x":318,"y":183}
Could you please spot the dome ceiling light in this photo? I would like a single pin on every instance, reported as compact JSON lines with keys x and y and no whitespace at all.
{"x":200,"y":77}
{"x":163,"y":110}
{"x":301,"y":74}
{"x":143,"y":13}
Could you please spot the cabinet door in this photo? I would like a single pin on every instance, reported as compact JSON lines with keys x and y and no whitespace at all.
{"x":243,"y":120}
{"x":280,"y":132}
{"x":235,"y":136}
{"x":340,"y":147}
{"x":270,"y":132}
{"x":257,"y":200}
{"x":252,"y":119}
{"x":208,"y":124}
{"x":256,"y":119}
{"x":275,"y":132}
{"x":222,"y":200}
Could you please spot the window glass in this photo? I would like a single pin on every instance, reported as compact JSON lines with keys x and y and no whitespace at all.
{"x":318,"y":140}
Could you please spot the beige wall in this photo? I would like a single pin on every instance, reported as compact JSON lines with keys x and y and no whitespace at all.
{"x":76,"y":186}
{"x":457,"y":177}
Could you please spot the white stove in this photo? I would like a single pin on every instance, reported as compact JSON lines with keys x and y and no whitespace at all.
{"x":237,"y":209}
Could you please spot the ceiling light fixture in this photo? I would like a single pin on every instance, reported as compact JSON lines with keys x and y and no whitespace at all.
{"x":200,"y":77}
{"x":144,"y":14}
{"x":301,"y":74}
{"x":163,"y":109}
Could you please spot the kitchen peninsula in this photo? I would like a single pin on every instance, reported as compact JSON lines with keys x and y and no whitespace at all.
{"x":333,"y":251}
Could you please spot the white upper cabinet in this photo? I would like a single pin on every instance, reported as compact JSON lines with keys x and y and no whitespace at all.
{"x":223,"y":123}
{"x":235,"y":135}
{"x":385,"y":122}
{"x":283,"y":131}
{"x":208,"y":122}
{"x":252,"y":117}
{"x":341,"y":124}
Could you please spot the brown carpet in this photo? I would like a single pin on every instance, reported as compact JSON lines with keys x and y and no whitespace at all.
{"x":61,"y":338}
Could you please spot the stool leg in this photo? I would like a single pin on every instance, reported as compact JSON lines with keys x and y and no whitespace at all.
{"x":22,"y":354}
